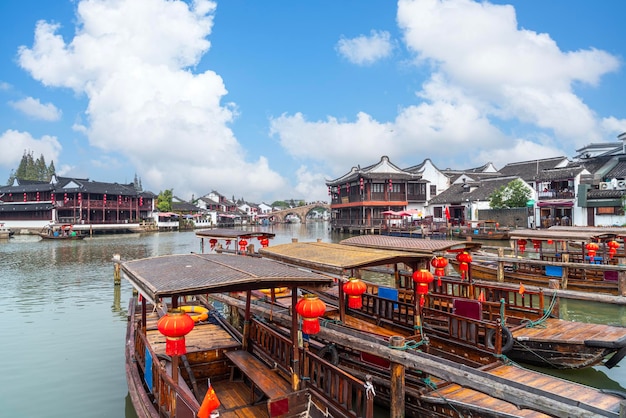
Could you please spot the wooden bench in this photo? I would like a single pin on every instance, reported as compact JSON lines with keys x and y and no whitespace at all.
{"x":260,"y":375}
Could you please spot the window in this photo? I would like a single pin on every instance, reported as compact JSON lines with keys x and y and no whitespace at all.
{"x":433,"y":190}
{"x":438,"y":212}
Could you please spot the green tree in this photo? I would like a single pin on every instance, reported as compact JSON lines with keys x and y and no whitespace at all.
{"x":514,"y":195}
{"x":165,"y":201}
{"x":31,"y":169}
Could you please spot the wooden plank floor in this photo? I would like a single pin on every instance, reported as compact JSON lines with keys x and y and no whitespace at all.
{"x":204,"y":336}
{"x":556,"y":330}
{"x":234,"y":399}
{"x":580,"y":393}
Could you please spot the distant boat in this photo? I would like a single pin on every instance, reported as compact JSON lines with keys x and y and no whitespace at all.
{"x":484,"y":230}
{"x":292,"y":219}
{"x":5,"y":232}
{"x":60,"y":232}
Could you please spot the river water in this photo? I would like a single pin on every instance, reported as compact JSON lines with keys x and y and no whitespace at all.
{"x":63,"y":321}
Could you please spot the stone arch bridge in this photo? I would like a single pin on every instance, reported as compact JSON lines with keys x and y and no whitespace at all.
{"x":299,"y":211}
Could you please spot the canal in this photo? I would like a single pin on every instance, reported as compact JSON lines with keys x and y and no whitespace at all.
{"x":63,"y":321}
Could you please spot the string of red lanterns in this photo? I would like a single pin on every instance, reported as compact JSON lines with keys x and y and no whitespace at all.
{"x":613,"y":246}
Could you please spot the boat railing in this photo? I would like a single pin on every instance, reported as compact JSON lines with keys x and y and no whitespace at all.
{"x":273,"y":345}
{"x":325,"y":381}
{"x":462,"y":330}
{"x":529,"y":303}
{"x":392,"y":311}
{"x":168,"y":395}
{"x":343,"y":391}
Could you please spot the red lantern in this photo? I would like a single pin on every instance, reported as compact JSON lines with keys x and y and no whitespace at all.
{"x":422,"y":278}
{"x":464,"y":259}
{"x":550,"y":242}
{"x":536,"y":245}
{"x":265,"y":242}
{"x":65,"y":199}
{"x":24,"y":197}
{"x":613,"y":246}
{"x":521,"y":245}
{"x":354,"y":288}
{"x":439,"y":263}
{"x":213,"y":242}
{"x":592,"y":249}
{"x":104,"y":199}
{"x":52,"y":198}
{"x":140,"y":201}
{"x":242,"y":245}
{"x":37,"y":196}
{"x":175,"y":325}
{"x":310,"y":308}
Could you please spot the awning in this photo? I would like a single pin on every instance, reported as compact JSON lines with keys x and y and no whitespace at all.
{"x":564,"y":203}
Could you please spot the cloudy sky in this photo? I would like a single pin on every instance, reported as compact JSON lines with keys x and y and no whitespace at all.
{"x":266,"y":100}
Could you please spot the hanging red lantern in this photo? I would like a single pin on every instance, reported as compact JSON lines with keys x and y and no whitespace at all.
{"x":265,"y":242}
{"x":439,"y":263}
{"x":213,"y":243}
{"x":140,"y":201}
{"x":24,"y":197}
{"x":521,"y":245}
{"x":354,"y":288}
{"x":242,"y":245}
{"x":550,"y":242}
{"x":310,"y":308}
{"x":592,"y":249}
{"x":536,"y":245}
{"x":37,"y":196}
{"x":613,"y":246}
{"x":175,"y":325}
{"x":464,"y":259}
{"x":422,"y":278}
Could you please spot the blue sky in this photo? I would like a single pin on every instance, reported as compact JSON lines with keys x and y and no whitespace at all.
{"x":267,"y":100}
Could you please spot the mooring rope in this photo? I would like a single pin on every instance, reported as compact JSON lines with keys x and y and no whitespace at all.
{"x":547,"y":313}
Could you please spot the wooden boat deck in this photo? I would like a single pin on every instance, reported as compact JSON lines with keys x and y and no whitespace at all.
{"x":559,"y":387}
{"x":559,"y":330}
{"x":203,"y":337}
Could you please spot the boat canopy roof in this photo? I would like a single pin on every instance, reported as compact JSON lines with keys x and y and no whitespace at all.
{"x":572,"y":234}
{"x":427,"y":247}
{"x":336,"y":258}
{"x":229,"y":233}
{"x":192,"y":274}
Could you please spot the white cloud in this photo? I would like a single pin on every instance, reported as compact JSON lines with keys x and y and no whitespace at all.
{"x":365,"y":50}
{"x":14,"y":143}
{"x":311,"y":185}
{"x":489,"y":79}
{"x":37,"y":110}
{"x":522,"y":74}
{"x":133,"y":61}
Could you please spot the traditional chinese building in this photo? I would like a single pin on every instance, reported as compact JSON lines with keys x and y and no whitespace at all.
{"x":33,"y":204}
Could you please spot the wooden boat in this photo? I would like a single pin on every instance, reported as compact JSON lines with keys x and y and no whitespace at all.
{"x":61,"y":232}
{"x":481,"y":230}
{"x":558,"y":259}
{"x":222,"y":239}
{"x":5,"y":232}
{"x":252,"y":372}
{"x":506,"y":322}
{"x":362,"y":348}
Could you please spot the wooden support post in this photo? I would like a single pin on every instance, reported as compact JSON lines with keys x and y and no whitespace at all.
{"x":117,"y":277}
{"x":246,"y":322}
{"x":397,"y":395}
{"x":500,"y":273}
{"x":564,"y":259}
{"x":295,"y":369}
{"x":621,"y":283}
